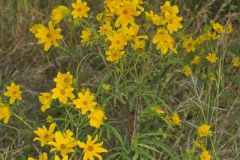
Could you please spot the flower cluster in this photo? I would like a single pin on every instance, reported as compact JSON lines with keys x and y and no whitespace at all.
{"x":64,"y":93}
{"x":173,"y":119}
{"x":121,"y":30}
{"x":64,"y":143}
{"x":191,"y":45}
{"x":203,"y":131}
{"x":14,"y":93}
{"x":172,"y":23}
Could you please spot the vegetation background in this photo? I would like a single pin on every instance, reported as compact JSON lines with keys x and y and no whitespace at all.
{"x":21,"y":60}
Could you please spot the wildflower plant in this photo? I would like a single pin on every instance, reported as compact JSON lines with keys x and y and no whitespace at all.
{"x":130,"y":81}
{"x":119,"y":38}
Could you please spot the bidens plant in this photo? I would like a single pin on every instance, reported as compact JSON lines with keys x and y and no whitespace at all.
{"x":134,"y":105}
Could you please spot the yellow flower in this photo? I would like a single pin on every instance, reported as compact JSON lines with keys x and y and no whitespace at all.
{"x":212,"y":57}
{"x":80,"y":9}
{"x":189,"y":45}
{"x":212,"y":77}
{"x":45,"y":135}
{"x":64,"y":79}
{"x":236,"y":62}
{"x":59,"y":13}
{"x":14,"y":92}
{"x":126,"y":13}
{"x":63,"y":90}
{"x":168,"y":10}
{"x":175,"y":119}
{"x":218,"y":27}
{"x":204,"y":130}
{"x":139,"y":42}
{"x":114,"y":55}
{"x":200,"y":144}
{"x":42,"y":156}
{"x":112,"y":5}
{"x":34,"y":29}
{"x":96,"y":118}
{"x":229,"y":28}
{"x":170,"y":17}
{"x":56,"y":157}
{"x":159,"y":110}
{"x":46,"y":100}
{"x":212,"y":35}
{"x":85,"y":101}
{"x":189,"y":151}
{"x":87,"y":37}
{"x":139,"y":3}
{"x":187,"y":71}
{"x":105,"y":29}
{"x":117,"y":41}
{"x":49,"y":119}
{"x":173,"y":23}
{"x":130,"y":32}
{"x":48,"y":36}
{"x":91,"y":149}
{"x":164,"y":41}
{"x":5,"y":113}
{"x":106,"y":87}
{"x":63,"y":142}
{"x":63,"y":94}
{"x":154,"y":18}
{"x":202,"y":38}
{"x":205,"y":155}
{"x":99,"y":17}
{"x":195,"y":60}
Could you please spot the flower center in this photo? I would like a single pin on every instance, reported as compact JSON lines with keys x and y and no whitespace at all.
{"x":85,"y":103}
{"x":62,"y":146}
{"x":161,"y":33}
{"x":125,"y":11}
{"x":62,"y":92}
{"x":117,"y":42}
{"x":190,"y":44}
{"x":90,"y":148}
{"x":114,"y":54}
{"x":14,"y":92}
{"x":49,"y":35}
{"x":46,"y":136}
{"x":79,"y":9}
{"x":170,"y":21}
{"x":66,"y":80}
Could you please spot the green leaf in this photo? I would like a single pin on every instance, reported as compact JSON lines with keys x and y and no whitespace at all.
{"x":116,"y":134}
{"x":135,"y":157}
{"x":162,"y":146}
{"x":145,"y":154}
